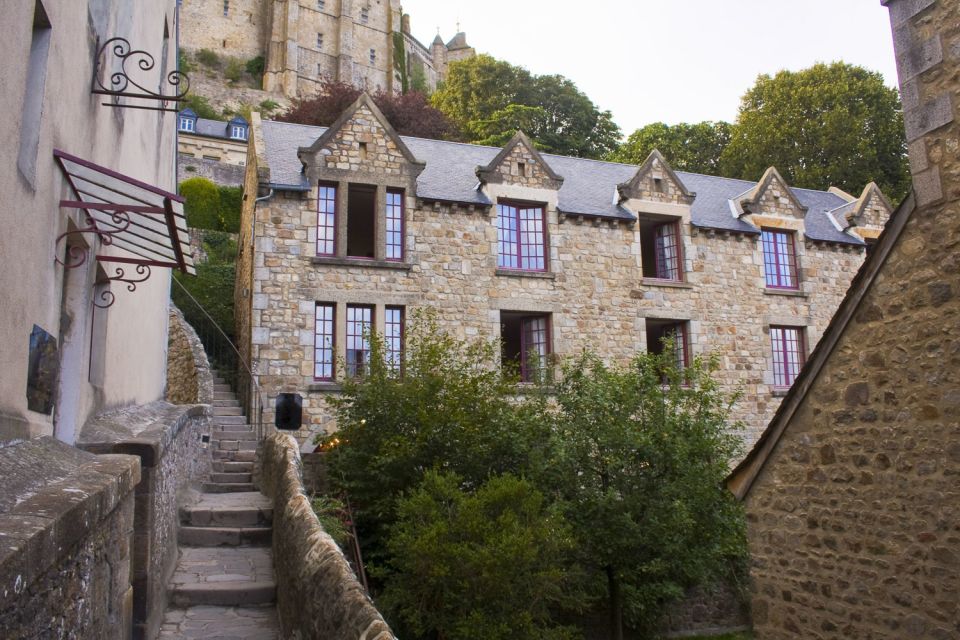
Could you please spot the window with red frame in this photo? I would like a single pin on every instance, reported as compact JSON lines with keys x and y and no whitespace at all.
{"x":779,"y":259}
{"x":393,"y":337}
{"x":525,"y":340}
{"x":672,"y":333}
{"x":394,"y":226}
{"x":324,"y":354}
{"x":326,"y":220}
{"x":359,"y":326}
{"x":521,"y":237}
{"x":788,"y":354}
{"x":661,"y":250}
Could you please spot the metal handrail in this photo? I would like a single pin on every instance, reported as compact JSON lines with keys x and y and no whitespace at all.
{"x":249,"y":391}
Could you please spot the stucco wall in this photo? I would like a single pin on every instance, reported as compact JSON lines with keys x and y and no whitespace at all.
{"x":138,"y":143}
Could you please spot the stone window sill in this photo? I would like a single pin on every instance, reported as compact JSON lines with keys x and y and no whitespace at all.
{"x":361,"y":262}
{"x":322,"y":387}
{"x":795,"y":293}
{"x":657,"y":282}
{"x":518,"y":273}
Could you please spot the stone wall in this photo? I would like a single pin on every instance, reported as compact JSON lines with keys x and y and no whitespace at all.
{"x":707,"y":610}
{"x":168,"y":439}
{"x":241,"y":32}
{"x":852,"y":499}
{"x":222,"y":173}
{"x":189,"y":379}
{"x":318,"y":595}
{"x":66,"y":535}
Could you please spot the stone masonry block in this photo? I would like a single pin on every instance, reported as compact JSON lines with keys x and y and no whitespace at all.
{"x":917,"y":152}
{"x":261,"y":335}
{"x":919,"y":58}
{"x":927,"y":187}
{"x":903,"y":10}
{"x":932,"y":115}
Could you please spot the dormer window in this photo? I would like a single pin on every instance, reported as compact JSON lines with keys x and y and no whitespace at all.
{"x":187,"y":121}
{"x":237,"y":129}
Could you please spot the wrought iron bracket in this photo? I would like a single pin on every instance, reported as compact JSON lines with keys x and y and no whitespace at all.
{"x":129,"y":91}
{"x":76,"y":255}
{"x":106,"y":296}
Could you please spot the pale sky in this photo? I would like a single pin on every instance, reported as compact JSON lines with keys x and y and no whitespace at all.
{"x":665,"y":60}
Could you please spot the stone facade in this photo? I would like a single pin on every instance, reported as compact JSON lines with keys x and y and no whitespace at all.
{"x":169,"y":441}
{"x":189,"y":379}
{"x":318,"y":595}
{"x":851,"y":494}
{"x":593,"y":288}
{"x":66,"y":542}
{"x":305,"y":42}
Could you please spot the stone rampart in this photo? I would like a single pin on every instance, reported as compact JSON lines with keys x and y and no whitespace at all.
{"x":66,"y":528}
{"x":189,"y":378}
{"x":318,"y":595}
{"x":168,"y":439}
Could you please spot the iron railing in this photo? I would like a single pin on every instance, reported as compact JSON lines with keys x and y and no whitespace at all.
{"x":225,"y":358}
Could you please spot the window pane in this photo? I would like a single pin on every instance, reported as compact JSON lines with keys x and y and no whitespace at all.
{"x":787,"y":346}
{"x":393,"y":337}
{"x":326,"y":220}
{"x":359,"y":325}
{"x":534,"y":345}
{"x":394,"y":225}
{"x":508,"y":245}
{"x":520,"y":238}
{"x":323,"y":358}
{"x":667,"y":251}
{"x":779,"y":259}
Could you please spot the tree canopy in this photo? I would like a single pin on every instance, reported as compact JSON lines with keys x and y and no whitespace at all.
{"x":410,"y":114}
{"x":687,"y":147}
{"x":489,"y":99}
{"x":830,"y":125}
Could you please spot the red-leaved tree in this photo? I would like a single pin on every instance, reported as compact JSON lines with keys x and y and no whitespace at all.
{"x":410,"y":113}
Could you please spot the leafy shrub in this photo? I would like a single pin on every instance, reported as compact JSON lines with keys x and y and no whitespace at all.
{"x":231,"y":202}
{"x":213,"y":289}
{"x":234,"y":69}
{"x":208,"y":58}
{"x":201,"y":106}
{"x":184,"y":63}
{"x":268,"y":106}
{"x":202,"y":203}
{"x":256,"y":66}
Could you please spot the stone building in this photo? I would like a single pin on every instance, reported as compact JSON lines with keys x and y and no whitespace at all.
{"x":357,"y":227}
{"x":211,"y":149}
{"x":851,"y":492}
{"x":303,"y":42}
{"x":92,"y":230}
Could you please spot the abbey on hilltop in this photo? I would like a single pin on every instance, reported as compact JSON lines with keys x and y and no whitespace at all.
{"x":361,"y":42}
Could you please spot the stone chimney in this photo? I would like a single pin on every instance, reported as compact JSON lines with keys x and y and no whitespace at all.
{"x":926,"y":36}
{"x":405,"y":23}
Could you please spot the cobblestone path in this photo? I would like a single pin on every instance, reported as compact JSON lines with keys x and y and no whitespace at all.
{"x":223,"y":586}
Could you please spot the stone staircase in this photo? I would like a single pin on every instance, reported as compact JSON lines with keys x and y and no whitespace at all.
{"x":223,"y":586}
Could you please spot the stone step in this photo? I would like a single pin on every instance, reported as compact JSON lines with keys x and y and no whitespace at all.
{"x":234,"y":445}
{"x":223,"y":576}
{"x":228,"y":510}
{"x":226,"y":402}
{"x":223,"y":593}
{"x":230,"y":420}
{"x":224,"y":536}
{"x":233,"y":435}
{"x":227,"y":487}
{"x":246,"y":455}
{"x":255,"y":622}
{"x":230,"y":477}
{"x":224,"y":395}
{"x":232,"y":467}
{"x":233,"y":427}
{"x":221,"y":386}
{"x":228,"y":411}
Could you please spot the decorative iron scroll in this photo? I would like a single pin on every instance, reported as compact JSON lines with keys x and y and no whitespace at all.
{"x":124,"y":84}
{"x":120,"y":275}
{"x":76,"y":255}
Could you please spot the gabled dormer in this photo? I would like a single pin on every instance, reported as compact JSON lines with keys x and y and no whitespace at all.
{"x":870,"y":210}
{"x":187,"y":121}
{"x":360,"y":142}
{"x":771,"y":197}
{"x":520,"y":164}
{"x":238,"y":129}
{"x":655,"y":181}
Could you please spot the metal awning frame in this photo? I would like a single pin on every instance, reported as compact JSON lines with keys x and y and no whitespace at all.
{"x":126,"y":91}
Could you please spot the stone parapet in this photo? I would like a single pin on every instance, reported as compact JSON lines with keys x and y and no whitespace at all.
{"x":168,"y":440}
{"x":318,"y":595}
{"x":66,"y":528}
{"x":189,"y":378}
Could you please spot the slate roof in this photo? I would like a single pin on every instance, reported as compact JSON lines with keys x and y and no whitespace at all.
{"x":589,"y":187}
{"x":214,"y":128}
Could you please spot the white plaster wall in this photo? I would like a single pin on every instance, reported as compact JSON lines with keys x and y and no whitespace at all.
{"x":141,"y":144}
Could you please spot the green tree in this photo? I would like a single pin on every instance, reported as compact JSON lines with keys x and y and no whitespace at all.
{"x":641,"y":452}
{"x":830,"y":125}
{"x":202,"y":205}
{"x":231,"y":202}
{"x":687,"y":147}
{"x":485,"y":97}
{"x":447,"y":411}
{"x":489,"y":564}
